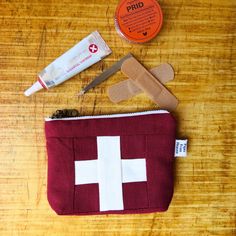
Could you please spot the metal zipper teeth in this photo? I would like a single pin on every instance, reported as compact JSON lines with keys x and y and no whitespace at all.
{"x":111,"y":115}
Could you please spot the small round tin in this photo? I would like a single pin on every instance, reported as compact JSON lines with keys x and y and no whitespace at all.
{"x":138,"y":21}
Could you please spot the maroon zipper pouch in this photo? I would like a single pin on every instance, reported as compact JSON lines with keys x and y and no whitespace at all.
{"x":111,"y":164}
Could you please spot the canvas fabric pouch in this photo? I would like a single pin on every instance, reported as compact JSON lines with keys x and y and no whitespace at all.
{"x":111,"y":163}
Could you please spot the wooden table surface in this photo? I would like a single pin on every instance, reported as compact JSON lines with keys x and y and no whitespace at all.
{"x":198,"y":39}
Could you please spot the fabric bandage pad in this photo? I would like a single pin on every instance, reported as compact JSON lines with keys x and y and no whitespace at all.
{"x":115,"y":164}
{"x":127,"y":89}
{"x":149,"y":84}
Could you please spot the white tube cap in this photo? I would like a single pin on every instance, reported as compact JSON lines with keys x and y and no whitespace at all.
{"x":33,"y":89}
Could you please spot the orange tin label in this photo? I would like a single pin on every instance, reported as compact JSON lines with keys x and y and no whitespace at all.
{"x":138,"y":20}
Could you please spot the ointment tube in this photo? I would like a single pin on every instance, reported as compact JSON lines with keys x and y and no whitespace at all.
{"x":84,"y":54}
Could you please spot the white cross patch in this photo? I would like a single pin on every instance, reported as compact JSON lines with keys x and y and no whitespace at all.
{"x":110,"y":171}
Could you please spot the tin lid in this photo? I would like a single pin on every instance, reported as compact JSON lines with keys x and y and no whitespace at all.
{"x":138,"y":21}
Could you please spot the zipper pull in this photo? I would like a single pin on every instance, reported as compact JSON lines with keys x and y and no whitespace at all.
{"x":65,"y":113}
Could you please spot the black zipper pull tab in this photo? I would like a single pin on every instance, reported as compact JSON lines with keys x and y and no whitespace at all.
{"x":65,"y":113}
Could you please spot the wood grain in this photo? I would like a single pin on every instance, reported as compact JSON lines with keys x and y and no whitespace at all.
{"x":198,"y":39}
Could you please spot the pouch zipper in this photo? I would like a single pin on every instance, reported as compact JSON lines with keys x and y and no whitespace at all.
{"x":111,"y":115}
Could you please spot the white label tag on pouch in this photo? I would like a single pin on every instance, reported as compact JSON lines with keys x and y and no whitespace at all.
{"x":181,"y":147}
